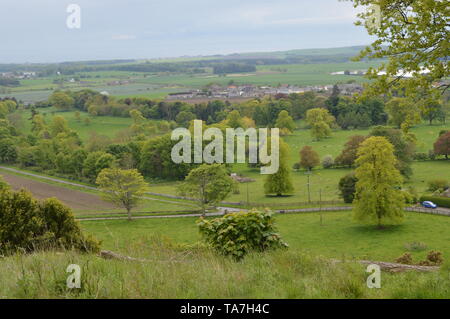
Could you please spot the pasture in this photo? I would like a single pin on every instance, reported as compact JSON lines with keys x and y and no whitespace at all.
{"x":338,"y":237}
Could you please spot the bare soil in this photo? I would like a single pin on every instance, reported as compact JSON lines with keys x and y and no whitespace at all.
{"x":76,"y":200}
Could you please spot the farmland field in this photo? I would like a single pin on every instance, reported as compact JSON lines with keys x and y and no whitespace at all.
{"x":158,"y":85}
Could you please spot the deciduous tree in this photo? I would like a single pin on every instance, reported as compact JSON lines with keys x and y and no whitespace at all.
{"x":281,"y":182}
{"x":285,"y":123}
{"x":208,"y":184}
{"x":123,"y":188}
{"x":378,"y":198}
{"x":320,"y":120}
{"x":309,"y":158}
{"x":442,"y":145}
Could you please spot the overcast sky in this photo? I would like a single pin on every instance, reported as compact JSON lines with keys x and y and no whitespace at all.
{"x":36,"y":31}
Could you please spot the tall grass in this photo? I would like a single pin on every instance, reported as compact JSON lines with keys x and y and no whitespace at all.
{"x":180,"y":271}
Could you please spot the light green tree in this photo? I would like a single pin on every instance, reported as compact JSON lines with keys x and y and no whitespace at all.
{"x":281,"y":182}
{"x":378,"y":198}
{"x":59,"y":125}
{"x":234,"y":119}
{"x":403,"y":113}
{"x":123,"y":188}
{"x":320,"y":121}
{"x":208,"y":184}
{"x":285,"y":123}
{"x":413,"y":37}
{"x":62,"y":101}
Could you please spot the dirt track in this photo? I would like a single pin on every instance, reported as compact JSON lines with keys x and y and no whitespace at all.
{"x":75,"y":199}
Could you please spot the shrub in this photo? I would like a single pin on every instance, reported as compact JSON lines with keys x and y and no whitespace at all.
{"x":440,"y":201}
{"x":420,"y":156}
{"x":434,"y":258}
{"x":431,"y":155}
{"x":328,"y":161}
{"x":439,"y":185}
{"x":28,"y":225}
{"x":237,"y":234}
{"x":405,"y":259}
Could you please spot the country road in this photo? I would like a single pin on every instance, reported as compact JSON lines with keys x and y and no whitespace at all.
{"x":221,"y":210}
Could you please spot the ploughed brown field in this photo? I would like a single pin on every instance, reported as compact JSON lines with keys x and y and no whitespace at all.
{"x":74,"y":199}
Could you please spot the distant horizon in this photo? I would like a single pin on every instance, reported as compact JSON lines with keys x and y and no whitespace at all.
{"x":181,"y":56}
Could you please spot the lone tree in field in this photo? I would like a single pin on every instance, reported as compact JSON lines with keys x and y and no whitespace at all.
{"x":122,"y":187}
{"x":442,"y":145}
{"x":209,"y":184}
{"x":281,"y":182}
{"x":320,"y":120}
{"x":309,"y":158}
{"x":378,"y":200}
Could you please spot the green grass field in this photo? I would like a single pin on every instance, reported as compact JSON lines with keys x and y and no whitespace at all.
{"x":339,"y":237}
{"x":171,"y":271}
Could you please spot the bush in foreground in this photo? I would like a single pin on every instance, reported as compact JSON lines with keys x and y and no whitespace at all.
{"x":237,"y":234}
{"x":27,"y":225}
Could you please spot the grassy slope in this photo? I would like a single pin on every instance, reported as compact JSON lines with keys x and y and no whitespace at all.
{"x":174,"y":272}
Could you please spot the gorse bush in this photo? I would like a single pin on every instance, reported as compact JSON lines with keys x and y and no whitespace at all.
{"x":237,"y":234}
{"x":27,"y":225}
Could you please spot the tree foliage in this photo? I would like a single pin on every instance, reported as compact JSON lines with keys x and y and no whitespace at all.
{"x":28,"y":225}
{"x":347,"y":187}
{"x":309,"y":158}
{"x":349,"y":154}
{"x":442,"y":145}
{"x":285,"y":123}
{"x":413,"y":36}
{"x":123,"y":188}
{"x":320,"y":121}
{"x":208,"y":184}
{"x":378,"y":199}
{"x":280,"y":182}
{"x":61,"y":100}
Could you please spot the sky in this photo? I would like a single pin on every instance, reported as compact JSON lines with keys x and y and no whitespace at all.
{"x":36,"y":31}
